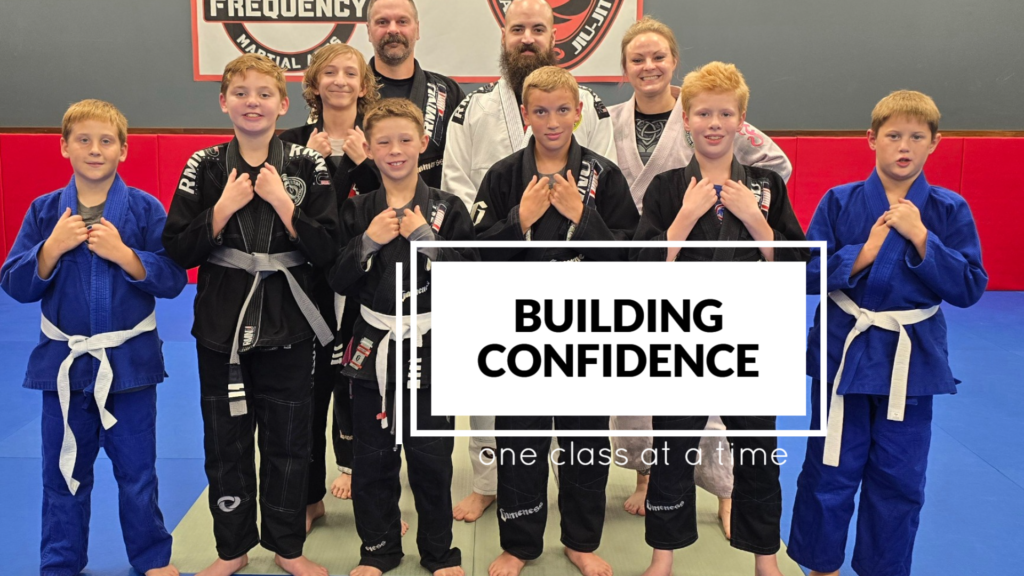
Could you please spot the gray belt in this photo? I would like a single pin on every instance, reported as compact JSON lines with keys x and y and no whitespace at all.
{"x":260,"y":266}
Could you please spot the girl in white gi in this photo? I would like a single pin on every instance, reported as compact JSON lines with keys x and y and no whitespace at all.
{"x":652,"y":140}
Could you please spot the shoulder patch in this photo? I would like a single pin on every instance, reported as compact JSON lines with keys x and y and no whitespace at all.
{"x":599,"y":107}
{"x":321,"y":175}
{"x":190,"y":175}
{"x":459,"y":116}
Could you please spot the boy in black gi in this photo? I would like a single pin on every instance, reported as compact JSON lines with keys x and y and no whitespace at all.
{"x":553,"y":189}
{"x":376,"y":229}
{"x":716,"y":198}
{"x":253,"y":214}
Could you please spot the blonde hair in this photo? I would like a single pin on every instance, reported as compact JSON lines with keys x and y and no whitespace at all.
{"x":649,"y":24}
{"x":715,"y":77}
{"x":323,"y":57}
{"x":907,"y":104}
{"x":261,"y":64}
{"x":95,"y":110}
{"x":550,"y":78}
{"x":393,"y":108}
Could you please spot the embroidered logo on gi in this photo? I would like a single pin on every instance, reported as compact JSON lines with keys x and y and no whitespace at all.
{"x":189,"y":175}
{"x":438,"y":218}
{"x":376,"y":547}
{"x":228,"y":503}
{"x":248,"y":335}
{"x":362,"y":353}
{"x":415,"y":372}
{"x":433,"y":117}
{"x":653,"y":508}
{"x":293,"y":24}
{"x":587,"y":181}
{"x":762,"y":193}
{"x":506,"y":516}
{"x":459,"y":116}
{"x":476,"y":214}
{"x":295,"y":188}
{"x":580,"y":26}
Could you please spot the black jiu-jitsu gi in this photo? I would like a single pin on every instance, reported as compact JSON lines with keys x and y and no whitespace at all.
{"x":437,"y":96}
{"x":274,"y":339}
{"x":671,"y":514}
{"x":348,"y":179}
{"x":878,"y":440}
{"x":608,"y":214}
{"x":369,"y":279}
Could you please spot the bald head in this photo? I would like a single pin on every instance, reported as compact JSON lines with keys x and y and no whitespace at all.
{"x":519,"y":9}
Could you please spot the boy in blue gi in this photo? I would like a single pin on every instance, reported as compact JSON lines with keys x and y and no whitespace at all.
{"x":80,"y":250}
{"x":253,"y":214}
{"x":897,"y":248}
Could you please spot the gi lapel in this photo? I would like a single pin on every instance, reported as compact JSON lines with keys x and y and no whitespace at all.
{"x":513,"y":117}
{"x":256,"y":224}
{"x":114,"y":211}
{"x":69,"y":199}
{"x":732,"y":228}
{"x":665,"y":157}
{"x":895,"y":247}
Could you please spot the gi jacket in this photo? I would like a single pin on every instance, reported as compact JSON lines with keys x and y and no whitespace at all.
{"x":666,"y":195}
{"x":899,"y":279}
{"x":488,"y":126}
{"x":273,"y":317}
{"x":87,"y":295}
{"x":608,"y":210}
{"x":437,"y":96}
{"x":373,"y":284}
{"x":751,"y":147}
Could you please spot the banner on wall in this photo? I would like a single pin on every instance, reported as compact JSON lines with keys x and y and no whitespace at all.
{"x":458,"y":38}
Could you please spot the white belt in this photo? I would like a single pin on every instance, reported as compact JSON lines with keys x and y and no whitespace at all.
{"x":389,"y":323}
{"x":894,"y":322}
{"x":96,"y":346}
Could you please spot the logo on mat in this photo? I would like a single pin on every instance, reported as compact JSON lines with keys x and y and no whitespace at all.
{"x":228,"y":503}
{"x":286,"y":31}
{"x":580,"y":26}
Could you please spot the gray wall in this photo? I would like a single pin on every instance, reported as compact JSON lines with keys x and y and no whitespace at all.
{"x":811,"y":64}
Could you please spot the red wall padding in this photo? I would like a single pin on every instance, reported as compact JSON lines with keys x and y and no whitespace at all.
{"x":990,"y":190}
{"x":32,"y":165}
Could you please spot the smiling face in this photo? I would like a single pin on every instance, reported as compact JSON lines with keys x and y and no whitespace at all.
{"x":902,"y":145}
{"x":553,"y":116}
{"x":649,"y":64}
{"x":253,"y":103}
{"x":94,"y":151}
{"x":394,"y":29}
{"x":395,"y":144}
{"x":339,"y":84}
{"x":713,"y":121}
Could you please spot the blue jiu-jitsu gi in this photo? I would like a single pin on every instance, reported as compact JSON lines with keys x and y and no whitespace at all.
{"x":887,"y":351}
{"x":92,"y":311}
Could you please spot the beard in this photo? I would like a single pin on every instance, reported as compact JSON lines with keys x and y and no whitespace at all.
{"x":393,"y":58}
{"x":516,"y":66}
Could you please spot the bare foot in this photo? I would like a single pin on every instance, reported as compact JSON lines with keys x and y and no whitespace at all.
{"x":342,"y":486}
{"x":225,"y":567}
{"x":313,"y":512}
{"x":365,"y":571}
{"x":453,"y":571}
{"x":506,"y":565}
{"x":766,"y":565}
{"x":472,"y":507}
{"x":168,"y":570}
{"x":300,"y":566}
{"x":816,"y":573}
{"x":635,"y":503}
{"x":405,"y":527}
{"x":661,"y":564}
{"x":725,"y":516}
{"x":590,"y":564}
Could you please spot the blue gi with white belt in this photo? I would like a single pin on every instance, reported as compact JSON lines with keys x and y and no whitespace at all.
{"x":886,"y":359}
{"x":96,"y":363}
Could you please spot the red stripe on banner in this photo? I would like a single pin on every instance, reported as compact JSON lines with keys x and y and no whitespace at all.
{"x":994,"y":210}
{"x":825,"y":163}
{"x":40,"y":169}
{"x":3,"y":227}
{"x":788,"y":146}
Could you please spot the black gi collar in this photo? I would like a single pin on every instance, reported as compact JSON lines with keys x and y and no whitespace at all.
{"x":730,"y":227}
{"x":418,"y":94}
{"x":530,"y":160}
{"x":420,"y":198}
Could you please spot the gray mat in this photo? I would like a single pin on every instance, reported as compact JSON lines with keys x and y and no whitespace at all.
{"x":334,"y":543}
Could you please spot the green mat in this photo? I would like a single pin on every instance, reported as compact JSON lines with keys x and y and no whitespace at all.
{"x":334,"y":543}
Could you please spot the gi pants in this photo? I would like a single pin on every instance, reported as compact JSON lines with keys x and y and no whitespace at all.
{"x":131,"y":446}
{"x":327,"y":382}
{"x":376,"y":487}
{"x":523,"y":488}
{"x":887,"y":460}
{"x":671,"y":520}
{"x":278,"y":392}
